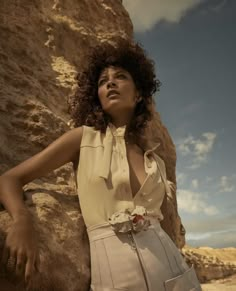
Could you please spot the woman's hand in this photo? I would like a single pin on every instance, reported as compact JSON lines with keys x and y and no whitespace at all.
{"x":21,"y":251}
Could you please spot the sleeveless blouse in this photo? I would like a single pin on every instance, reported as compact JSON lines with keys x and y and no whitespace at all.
{"x":103,"y":177}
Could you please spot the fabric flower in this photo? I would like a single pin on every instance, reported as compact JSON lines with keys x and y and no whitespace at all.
{"x":139,"y":220}
{"x":140,"y":223}
{"x":125,"y":220}
{"x":120,"y":221}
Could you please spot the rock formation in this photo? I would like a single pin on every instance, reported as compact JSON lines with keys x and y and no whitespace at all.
{"x":172,"y":223}
{"x":43,"y":45}
{"x":211,"y":264}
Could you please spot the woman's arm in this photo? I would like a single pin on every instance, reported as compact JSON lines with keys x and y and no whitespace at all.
{"x":65,"y":149}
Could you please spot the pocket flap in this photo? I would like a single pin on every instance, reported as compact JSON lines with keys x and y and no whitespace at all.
{"x":185,"y":282}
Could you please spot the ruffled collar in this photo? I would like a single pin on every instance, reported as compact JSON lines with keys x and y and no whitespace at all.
{"x":111,"y":133}
{"x":117,"y":131}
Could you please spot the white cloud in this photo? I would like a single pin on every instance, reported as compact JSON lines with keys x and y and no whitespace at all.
{"x":218,"y":6}
{"x":197,"y":236}
{"x":197,"y":148}
{"x":208,"y":179}
{"x":210,"y":210}
{"x":181,"y":178}
{"x":202,"y":147}
{"x":184,"y":145}
{"x":145,"y":14}
{"x":195,"y":183}
{"x":215,"y":231}
{"x":226,"y":184}
{"x":211,"y":224}
{"x":193,"y":203}
{"x":215,"y":239}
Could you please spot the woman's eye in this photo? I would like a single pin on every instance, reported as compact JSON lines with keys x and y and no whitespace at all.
{"x":121,"y":76}
{"x":100,"y":82}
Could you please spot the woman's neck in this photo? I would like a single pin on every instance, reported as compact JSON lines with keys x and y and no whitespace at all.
{"x":121,"y":121}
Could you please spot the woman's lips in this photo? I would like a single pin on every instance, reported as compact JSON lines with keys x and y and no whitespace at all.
{"x":112,"y":93}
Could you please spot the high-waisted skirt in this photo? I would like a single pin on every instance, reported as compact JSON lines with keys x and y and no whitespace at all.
{"x":143,"y":261}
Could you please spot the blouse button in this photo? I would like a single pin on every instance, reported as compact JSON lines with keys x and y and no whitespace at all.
{"x":119,"y":132}
{"x":149,"y":164}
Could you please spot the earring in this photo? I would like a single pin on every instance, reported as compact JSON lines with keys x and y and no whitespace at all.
{"x":138,"y":99}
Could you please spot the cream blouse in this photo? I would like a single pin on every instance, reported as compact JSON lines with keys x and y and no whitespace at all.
{"x":103,"y":177}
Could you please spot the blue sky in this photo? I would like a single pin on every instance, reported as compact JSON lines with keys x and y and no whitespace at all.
{"x":193,"y":44}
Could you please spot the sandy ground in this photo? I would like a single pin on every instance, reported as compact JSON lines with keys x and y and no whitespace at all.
{"x":228,"y":284}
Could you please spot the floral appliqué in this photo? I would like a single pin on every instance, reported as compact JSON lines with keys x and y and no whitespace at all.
{"x":127,"y":220}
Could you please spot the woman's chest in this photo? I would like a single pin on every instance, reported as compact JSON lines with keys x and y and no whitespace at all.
{"x":137,"y":173}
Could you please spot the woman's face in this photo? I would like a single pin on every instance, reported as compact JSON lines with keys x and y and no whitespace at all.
{"x":117,"y":91}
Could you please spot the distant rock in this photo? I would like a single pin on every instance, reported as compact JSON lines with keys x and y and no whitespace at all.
{"x":211,"y":264}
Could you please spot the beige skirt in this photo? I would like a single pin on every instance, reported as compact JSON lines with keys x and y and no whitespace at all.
{"x":143,"y":261}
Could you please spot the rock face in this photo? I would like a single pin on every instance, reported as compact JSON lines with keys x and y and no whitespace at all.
{"x":211,"y":264}
{"x":43,"y":45}
{"x":172,"y":222}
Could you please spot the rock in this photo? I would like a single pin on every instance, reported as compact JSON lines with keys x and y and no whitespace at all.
{"x":172,"y":224}
{"x":64,"y":253}
{"x":43,"y":45}
{"x":211,"y":264}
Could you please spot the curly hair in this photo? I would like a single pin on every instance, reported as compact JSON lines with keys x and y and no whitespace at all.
{"x":84,"y":105}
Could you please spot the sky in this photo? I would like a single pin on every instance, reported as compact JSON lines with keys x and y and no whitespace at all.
{"x":193,"y":45}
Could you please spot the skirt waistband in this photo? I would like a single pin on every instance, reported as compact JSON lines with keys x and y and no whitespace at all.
{"x":104,"y":230}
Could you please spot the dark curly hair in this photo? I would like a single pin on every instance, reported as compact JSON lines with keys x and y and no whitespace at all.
{"x":84,"y":105}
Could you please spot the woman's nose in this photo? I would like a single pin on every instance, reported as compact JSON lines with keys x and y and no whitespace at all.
{"x":111,"y":83}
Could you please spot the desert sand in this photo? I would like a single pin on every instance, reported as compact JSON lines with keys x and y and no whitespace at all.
{"x":227,"y":284}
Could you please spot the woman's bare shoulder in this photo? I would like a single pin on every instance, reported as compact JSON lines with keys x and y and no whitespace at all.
{"x":76,"y":133}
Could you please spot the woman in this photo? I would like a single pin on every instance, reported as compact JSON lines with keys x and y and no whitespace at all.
{"x":121,"y":180}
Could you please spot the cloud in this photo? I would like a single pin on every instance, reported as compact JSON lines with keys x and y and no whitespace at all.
{"x":215,"y":231}
{"x":211,"y":224}
{"x":197,"y":148}
{"x":145,"y":14}
{"x":215,"y":239}
{"x":218,"y":6}
{"x":193,"y":203}
{"x":195,"y":183}
{"x":208,"y":179}
{"x":226,"y":184}
{"x":181,"y":178}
